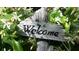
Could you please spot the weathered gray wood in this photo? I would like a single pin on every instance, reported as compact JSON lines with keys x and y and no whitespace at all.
{"x":42,"y":46}
{"x":51,"y":48}
{"x":40,"y":16}
{"x":39,"y":27}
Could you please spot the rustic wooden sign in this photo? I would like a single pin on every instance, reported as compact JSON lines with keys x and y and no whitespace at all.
{"x":37,"y":26}
{"x":41,"y":30}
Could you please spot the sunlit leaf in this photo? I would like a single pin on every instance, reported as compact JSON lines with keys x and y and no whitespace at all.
{"x":16,"y":45}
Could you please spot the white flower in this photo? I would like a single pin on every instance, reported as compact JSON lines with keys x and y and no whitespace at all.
{"x":6,"y":23}
{"x":16,"y":17}
{"x":57,"y":19}
{"x":60,"y":13}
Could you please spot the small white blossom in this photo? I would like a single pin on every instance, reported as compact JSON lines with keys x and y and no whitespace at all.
{"x":6,"y":23}
{"x":57,"y":19}
{"x":16,"y":17}
{"x":60,"y":13}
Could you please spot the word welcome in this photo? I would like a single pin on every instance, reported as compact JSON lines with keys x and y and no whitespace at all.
{"x":33,"y":30}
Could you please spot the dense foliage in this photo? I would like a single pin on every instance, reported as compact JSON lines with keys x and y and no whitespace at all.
{"x":11,"y":40}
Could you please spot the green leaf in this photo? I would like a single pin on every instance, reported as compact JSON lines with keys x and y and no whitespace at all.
{"x":63,"y":19}
{"x":13,"y":43}
{"x":1,"y":25}
{"x":13,"y":27}
{"x":16,"y":46}
{"x":67,"y":27}
{"x":54,"y":14}
{"x":7,"y":16}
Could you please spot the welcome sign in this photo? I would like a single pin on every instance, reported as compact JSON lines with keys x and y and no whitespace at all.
{"x":37,"y":26}
{"x":41,"y":30}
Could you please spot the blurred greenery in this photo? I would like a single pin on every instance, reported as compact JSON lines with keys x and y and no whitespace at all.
{"x":11,"y":40}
